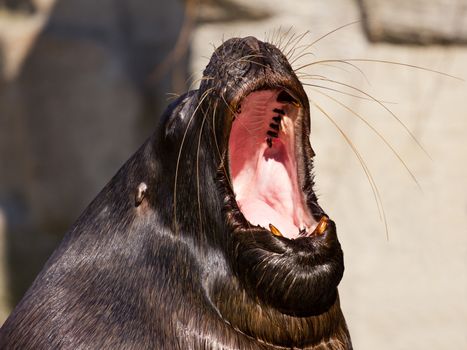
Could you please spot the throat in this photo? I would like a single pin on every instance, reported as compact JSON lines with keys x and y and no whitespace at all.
{"x":267,"y":325}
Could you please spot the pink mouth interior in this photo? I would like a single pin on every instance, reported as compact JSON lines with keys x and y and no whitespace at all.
{"x":264,"y":167}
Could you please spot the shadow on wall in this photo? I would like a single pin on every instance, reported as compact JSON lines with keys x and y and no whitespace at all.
{"x":82,"y":101}
{"x":27,"y":6}
{"x":81,"y":86}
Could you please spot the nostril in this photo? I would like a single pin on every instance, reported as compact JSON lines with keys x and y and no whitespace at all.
{"x":253,"y":43}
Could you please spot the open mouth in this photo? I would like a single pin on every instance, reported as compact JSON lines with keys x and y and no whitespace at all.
{"x":264,"y":155}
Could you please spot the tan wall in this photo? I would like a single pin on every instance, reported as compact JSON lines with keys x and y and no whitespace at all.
{"x":408,"y":292}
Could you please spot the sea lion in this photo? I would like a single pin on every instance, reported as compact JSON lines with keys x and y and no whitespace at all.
{"x":209,"y":237}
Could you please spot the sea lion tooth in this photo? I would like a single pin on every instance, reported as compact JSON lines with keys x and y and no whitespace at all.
{"x":275,"y":231}
{"x":140,"y":193}
{"x":277,"y":119}
{"x":272,"y":134}
{"x":274,"y":126}
{"x":322,"y":226}
{"x":280,"y":111}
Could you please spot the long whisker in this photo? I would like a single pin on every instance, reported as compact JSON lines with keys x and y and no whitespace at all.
{"x":203,"y":97}
{"x":229,"y":107}
{"x":266,"y":36}
{"x":321,"y":77}
{"x":172,"y":96}
{"x":248,"y":130}
{"x":291,"y":37}
{"x":403,"y":65}
{"x":387,"y":109}
{"x":367,"y":171}
{"x":306,"y":47}
{"x":198,"y":192}
{"x":217,"y":147}
{"x":289,"y":54}
{"x":195,"y":82}
{"x":276,"y":35}
{"x":342,"y":92}
{"x":305,"y":54}
{"x":280,"y":38}
{"x":359,"y":116}
{"x":334,"y":61}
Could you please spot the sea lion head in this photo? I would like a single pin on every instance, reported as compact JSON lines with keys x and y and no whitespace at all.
{"x":243,"y":178}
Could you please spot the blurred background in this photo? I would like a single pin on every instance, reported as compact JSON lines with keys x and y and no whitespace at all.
{"x":82,"y":84}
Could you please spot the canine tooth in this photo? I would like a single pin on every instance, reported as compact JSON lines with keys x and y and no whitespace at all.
{"x":322,"y":225}
{"x":275,"y":231}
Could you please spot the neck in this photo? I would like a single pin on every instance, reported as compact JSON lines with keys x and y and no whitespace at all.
{"x":269,"y":326}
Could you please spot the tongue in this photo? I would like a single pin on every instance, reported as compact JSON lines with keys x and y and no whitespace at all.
{"x":268,"y":195}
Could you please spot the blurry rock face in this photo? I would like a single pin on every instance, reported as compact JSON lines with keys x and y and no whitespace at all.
{"x":416,"y":21}
{"x":19,"y":5}
{"x":75,"y":103}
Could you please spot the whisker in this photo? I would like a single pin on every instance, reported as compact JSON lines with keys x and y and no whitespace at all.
{"x":248,"y":130}
{"x":283,"y":37}
{"x":387,"y":109}
{"x":387,"y":143}
{"x":266,"y":36}
{"x":276,"y":37}
{"x":171,"y":96}
{"x":334,"y":61}
{"x":196,"y":81}
{"x":306,"y":47}
{"x":289,"y":54}
{"x":367,"y":171}
{"x":228,"y":106}
{"x":291,"y":37}
{"x":198,"y":192}
{"x":403,"y":65}
{"x":203,"y":97}
{"x":342,"y":92}
{"x":279,"y":37}
{"x":305,"y":54}
{"x":217,"y":147}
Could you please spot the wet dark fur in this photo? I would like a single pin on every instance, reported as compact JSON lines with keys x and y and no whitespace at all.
{"x":146,"y":276}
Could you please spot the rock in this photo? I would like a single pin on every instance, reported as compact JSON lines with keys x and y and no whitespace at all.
{"x":415,"y":21}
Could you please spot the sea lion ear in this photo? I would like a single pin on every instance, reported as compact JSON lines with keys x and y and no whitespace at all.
{"x":177,"y":114}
